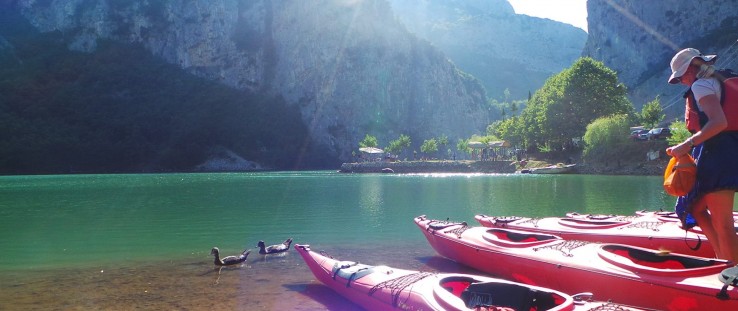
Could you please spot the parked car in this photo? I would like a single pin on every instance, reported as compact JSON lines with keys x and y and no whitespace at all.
{"x":636,"y":134}
{"x":658,"y":133}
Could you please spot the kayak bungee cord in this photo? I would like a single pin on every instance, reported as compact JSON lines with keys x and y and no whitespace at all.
{"x":443,"y":224}
{"x":533,"y":221}
{"x":460,"y":230}
{"x":568,"y":245}
{"x":397,"y":285}
{"x":653,"y":225}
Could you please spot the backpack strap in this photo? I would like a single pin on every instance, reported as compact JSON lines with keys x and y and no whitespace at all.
{"x":693,"y":110}
{"x":694,"y":118}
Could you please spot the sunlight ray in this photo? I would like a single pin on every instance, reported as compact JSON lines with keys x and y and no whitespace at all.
{"x":638,"y":22}
{"x":329,"y":84}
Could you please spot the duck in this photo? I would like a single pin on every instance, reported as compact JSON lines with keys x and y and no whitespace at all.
{"x":228,"y":260}
{"x":273,"y":249}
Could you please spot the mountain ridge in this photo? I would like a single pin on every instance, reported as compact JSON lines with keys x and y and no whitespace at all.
{"x":336,"y":69}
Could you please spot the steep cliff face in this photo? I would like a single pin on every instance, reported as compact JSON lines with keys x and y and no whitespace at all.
{"x":355,"y":70}
{"x":199,"y":36}
{"x":488,"y":40}
{"x":348,"y":66}
{"x":638,"y":38}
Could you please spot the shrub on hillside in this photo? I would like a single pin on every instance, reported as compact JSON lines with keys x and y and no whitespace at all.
{"x":679,"y":133}
{"x":604,"y":135}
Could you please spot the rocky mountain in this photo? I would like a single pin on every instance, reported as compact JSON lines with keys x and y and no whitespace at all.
{"x":487,"y":39}
{"x":638,"y":38}
{"x":349,"y":67}
{"x":336,"y":69}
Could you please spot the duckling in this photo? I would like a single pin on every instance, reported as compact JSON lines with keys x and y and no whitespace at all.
{"x":228,"y":260}
{"x":273,"y":249}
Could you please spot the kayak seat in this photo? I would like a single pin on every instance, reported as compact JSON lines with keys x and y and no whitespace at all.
{"x":456,"y":285}
{"x":658,"y":260}
{"x":515,"y":296}
{"x":520,"y":237}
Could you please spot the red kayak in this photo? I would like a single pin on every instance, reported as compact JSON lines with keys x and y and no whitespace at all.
{"x":642,"y":215}
{"x":626,"y":274}
{"x":638,"y":216}
{"x":386,"y":288}
{"x":650,"y":231}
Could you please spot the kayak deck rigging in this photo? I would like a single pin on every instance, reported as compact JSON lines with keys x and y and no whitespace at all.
{"x":397,"y":285}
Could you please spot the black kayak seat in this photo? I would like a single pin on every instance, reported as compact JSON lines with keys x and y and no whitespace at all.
{"x":514,"y":296}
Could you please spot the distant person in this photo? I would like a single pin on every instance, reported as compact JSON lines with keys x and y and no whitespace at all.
{"x":713,"y":144}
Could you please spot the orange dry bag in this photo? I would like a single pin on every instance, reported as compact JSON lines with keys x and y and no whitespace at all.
{"x":680,"y":175}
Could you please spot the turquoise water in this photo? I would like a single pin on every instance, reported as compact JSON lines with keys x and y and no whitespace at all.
{"x":80,"y":219}
{"x":73,"y":228}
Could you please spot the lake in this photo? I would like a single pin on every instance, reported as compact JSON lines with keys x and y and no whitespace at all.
{"x":142,"y":241}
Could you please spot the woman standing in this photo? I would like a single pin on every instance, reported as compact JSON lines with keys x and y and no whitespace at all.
{"x":714,"y":146}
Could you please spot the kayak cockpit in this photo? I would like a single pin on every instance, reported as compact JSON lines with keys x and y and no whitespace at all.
{"x":500,"y":294}
{"x":511,"y":238}
{"x":642,"y":260}
{"x":591,"y":223}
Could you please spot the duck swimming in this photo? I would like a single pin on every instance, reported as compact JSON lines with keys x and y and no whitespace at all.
{"x":273,"y":249}
{"x":228,"y":260}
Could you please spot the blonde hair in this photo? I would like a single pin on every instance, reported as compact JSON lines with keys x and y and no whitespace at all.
{"x":706,"y":70}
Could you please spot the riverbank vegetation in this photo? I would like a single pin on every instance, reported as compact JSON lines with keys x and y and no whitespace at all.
{"x":580,"y":114}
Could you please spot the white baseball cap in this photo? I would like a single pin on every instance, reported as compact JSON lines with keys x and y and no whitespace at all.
{"x":680,"y":62}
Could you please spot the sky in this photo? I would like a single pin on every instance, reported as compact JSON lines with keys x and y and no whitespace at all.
{"x":572,"y":12}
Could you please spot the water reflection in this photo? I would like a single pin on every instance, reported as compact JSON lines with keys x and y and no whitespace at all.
{"x":371,"y":199}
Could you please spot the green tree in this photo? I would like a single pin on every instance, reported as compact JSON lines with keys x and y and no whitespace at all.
{"x":442,"y":141}
{"x":462,"y":145}
{"x":510,"y":130}
{"x":569,"y":101}
{"x":368,"y":141}
{"x":652,"y":114}
{"x":398,"y":145}
{"x":679,"y":133}
{"x":605,"y":134}
{"x":429,"y":146}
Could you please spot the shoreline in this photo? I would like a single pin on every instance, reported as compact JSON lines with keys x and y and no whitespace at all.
{"x":436,"y":166}
{"x":651,"y":168}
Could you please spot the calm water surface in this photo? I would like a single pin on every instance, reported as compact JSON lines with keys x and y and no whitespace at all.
{"x":78,"y":242}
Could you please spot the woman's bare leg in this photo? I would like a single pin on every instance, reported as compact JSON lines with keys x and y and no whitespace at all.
{"x":704,"y":220}
{"x":720,"y":204}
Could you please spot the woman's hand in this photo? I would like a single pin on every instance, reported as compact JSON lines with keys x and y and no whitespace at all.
{"x":679,"y":150}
